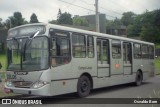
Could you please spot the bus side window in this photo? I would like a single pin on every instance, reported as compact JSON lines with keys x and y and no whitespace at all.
{"x":105,"y":57}
{"x":116,"y":49}
{"x":99,"y":55}
{"x":60,"y":48}
{"x":79,"y":45}
{"x":90,"y":46}
{"x":103,"y":51}
{"x":53,"y":52}
{"x":151,"y":52}
{"x":137,"y":51}
{"x":145,"y":52}
{"x":127,"y":53}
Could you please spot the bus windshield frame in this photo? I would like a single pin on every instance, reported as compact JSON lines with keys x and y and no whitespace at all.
{"x":25,"y":53}
{"x":28,"y":56}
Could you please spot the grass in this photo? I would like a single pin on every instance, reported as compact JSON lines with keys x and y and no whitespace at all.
{"x":157,"y":45}
{"x":157,"y":65}
{"x":2,"y":93}
{"x":3,"y":61}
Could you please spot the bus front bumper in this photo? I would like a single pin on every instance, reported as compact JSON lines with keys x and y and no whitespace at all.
{"x":43,"y":91}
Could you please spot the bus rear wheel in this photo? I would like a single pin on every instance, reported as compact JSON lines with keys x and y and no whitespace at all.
{"x":139,"y":78}
{"x":84,"y":86}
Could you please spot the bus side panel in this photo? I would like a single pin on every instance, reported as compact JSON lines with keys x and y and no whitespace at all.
{"x":84,"y":65}
{"x":113,"y":80}
{"x":64,"y":78}
{"x":64,"y":86}
{"x":137,"y":65}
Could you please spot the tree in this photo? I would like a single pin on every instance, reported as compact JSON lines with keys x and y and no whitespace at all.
{"x":65,"y":18}
{"x":18,"y":18}
{"x":59,"y":13}
{"x":15,"y":20}
{"x":151,"y":34}
{"x":127,"y":18}
{"x":150,"y":27}
{"x":146,"y":26}
{"x":156,"y":18}
{"x":1,"y":25}
{"x":113,"y":23}
{"x":80,"y":21}
{"x":117,"y":23}
{"x":53,"y":22}
{"x":33,"y":18}
{"x":134,"y":29}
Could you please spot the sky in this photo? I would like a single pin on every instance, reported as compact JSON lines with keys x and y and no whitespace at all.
{"x":47,"y":10}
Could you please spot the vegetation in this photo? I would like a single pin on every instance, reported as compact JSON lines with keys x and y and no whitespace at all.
{"x":3,"y":61}
{"x":80,"y":21}
{"x":157,"y":65}
{"x":128,"y":18}
{"x":33,"y":18}
{"x":146,"y":25}
{"x":64,"y":18}
{"x":157,"y":46}
{"x":15,"y":20}
{"x":2,"y":93}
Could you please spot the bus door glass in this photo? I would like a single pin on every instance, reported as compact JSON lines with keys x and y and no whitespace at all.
{"x":103,"y":57}
{"x":127,"y":58}
{"x":117,"y":61}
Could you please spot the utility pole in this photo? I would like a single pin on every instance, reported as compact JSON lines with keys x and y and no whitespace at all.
{"x":97,"y":16}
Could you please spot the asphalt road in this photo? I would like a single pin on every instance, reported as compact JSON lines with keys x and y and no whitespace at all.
{"x":149,"y":88}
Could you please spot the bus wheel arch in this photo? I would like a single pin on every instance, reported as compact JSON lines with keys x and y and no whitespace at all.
{"x":139,"y":77}
{"x":84,"y":85}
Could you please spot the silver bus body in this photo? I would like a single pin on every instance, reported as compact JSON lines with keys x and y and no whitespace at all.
{"x":102,"y":71}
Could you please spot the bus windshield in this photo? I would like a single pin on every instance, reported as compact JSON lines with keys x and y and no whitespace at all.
{"x":25,"y":54}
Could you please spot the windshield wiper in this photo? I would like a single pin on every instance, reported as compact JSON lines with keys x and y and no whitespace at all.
{"x":28,"y":41}
{"x":15,"y":39}
{"x":31,"y":38}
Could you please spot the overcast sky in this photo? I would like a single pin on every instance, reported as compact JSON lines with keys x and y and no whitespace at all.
{"x":47,"y":9}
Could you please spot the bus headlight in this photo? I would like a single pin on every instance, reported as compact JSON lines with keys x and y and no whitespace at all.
{"x":9,"y":84}
{"x":39,"y":84}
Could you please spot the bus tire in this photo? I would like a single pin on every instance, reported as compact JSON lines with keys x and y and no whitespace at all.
{"x":139,"y":78}
{"x":83,"y":86}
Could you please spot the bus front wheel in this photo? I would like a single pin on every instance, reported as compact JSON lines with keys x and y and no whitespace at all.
{"x":139,"y":78}
{"x":84,"y":86}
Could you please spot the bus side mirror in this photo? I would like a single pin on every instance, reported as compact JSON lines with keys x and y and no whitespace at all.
{"x":0,"y":65}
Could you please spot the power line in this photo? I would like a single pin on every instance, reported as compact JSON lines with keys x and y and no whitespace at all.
{"x":117,"y":4}
{"x":76,"y":5}
{"x":101,"y":7}
{"x":65,"y":7}
{"x":68,"y":5}
{"x":111,"y":11}
{"x":84,"y":8}
{"x":87,"y":3}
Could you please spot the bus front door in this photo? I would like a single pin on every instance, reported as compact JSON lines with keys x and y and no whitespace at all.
{"x":127,"y":58}
{"x":116,"y":58}
{"x":103,"y":67}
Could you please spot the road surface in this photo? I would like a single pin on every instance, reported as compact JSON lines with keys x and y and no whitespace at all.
{"x":149,"y":88}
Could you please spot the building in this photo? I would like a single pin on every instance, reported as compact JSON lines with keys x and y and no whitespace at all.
{"x":92,"y":22}
{"x":118,"y":31}
{"x":91,"y":19}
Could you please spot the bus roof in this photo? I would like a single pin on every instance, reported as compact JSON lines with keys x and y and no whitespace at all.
{"x":86,"y":32}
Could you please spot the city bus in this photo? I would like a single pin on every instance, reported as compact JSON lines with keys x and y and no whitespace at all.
{"x":48,"y":60}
